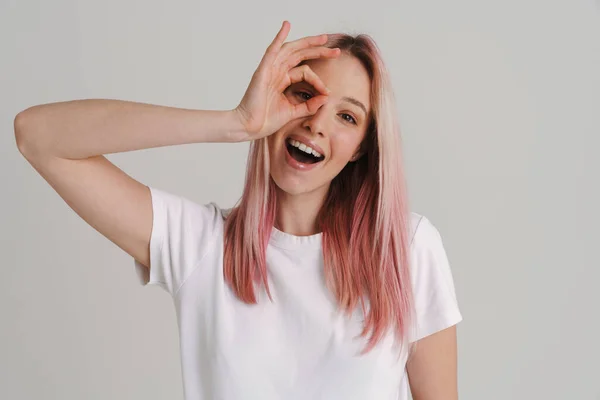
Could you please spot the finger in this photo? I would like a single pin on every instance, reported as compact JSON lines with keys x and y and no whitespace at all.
{"x":277,"y":43}
{"x":304,"y":73}
{"x":302,"y":43}
{"x":311,"y":53}
{"x":308,"y":107}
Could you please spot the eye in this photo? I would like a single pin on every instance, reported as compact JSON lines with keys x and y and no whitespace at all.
{"x":351,"y":120}
{"x":299,"y":94}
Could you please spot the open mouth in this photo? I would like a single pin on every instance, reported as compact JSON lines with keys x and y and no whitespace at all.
{"x":302,"y":153}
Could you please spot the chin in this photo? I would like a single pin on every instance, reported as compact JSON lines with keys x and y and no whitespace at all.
{"x":292,"y":185}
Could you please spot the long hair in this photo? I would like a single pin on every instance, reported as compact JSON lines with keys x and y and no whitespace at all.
{"x":364,"y":219}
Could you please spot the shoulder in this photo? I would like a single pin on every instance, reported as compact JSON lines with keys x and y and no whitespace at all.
{"x":414,"y":221}
{"x":176,"y":209}
{"x":427,"y":249}
{"x":422,"y":231}
{"x":225,"y":212}
{"x":434,"y":293}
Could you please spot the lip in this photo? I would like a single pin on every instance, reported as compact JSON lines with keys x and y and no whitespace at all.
{"x":307,"y":142}
{"x":296,"y":164}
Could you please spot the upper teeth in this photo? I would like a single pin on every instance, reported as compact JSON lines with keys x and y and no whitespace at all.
{"x":304,"y":148}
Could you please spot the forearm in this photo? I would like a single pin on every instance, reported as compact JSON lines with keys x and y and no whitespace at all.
{"x":84,"y":128}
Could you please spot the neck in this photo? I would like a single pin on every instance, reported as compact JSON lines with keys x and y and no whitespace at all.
{"x":297,"y":214}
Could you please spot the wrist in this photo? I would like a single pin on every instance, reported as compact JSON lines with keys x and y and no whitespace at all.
{"x":237,"y":131}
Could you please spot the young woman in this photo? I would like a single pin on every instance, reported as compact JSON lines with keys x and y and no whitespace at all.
{"x":320,"y":282}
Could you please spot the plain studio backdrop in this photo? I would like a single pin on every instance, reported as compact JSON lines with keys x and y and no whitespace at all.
{"x":500,"y":117}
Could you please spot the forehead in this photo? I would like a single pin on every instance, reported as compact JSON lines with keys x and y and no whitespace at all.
{"x":345,"y":76}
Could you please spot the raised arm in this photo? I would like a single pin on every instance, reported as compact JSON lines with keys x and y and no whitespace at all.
{"x":65,"y":143}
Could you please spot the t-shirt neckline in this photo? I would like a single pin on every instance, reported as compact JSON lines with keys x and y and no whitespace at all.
{"x":289,"y":241}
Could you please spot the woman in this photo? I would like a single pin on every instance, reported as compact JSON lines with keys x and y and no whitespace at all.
{"x":315,"y":285}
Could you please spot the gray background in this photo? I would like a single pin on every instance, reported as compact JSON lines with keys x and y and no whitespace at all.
{"x":499,"y":109}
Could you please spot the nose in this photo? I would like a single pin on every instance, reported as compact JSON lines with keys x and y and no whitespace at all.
{"x":317,"y":123}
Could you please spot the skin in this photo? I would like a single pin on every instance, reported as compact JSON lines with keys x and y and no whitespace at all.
{"x":432,"y":369}
{"x":338,"y":127}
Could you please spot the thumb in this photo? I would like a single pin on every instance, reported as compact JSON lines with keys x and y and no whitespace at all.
{"x":309,"y":107}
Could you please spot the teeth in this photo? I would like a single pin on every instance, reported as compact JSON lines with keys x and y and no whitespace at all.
{"x":304,"y":148}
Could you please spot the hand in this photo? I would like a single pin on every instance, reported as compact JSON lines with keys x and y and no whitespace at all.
{"x":264,"y":108}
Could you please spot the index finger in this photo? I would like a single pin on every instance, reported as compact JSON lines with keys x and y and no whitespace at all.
{"x":279,"y":38}
{"x":305,"y":73}
{"x":306,"y":41}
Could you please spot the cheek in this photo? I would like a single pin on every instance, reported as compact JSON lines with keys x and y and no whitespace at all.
{"x":274,"y":141}
{"x":342,"y":150}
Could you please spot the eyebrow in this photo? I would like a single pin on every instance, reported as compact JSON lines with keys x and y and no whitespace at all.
{"x":356,"y":103}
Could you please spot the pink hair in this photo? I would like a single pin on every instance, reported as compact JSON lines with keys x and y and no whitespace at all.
{"x":364,"y":218}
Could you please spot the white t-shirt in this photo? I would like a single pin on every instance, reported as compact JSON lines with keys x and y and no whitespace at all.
{"x":297,"y":347}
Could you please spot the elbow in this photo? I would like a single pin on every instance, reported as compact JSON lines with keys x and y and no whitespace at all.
{"x":25,"y":128}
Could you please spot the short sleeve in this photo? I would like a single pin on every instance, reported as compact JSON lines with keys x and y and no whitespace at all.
{"x":183,"y":232}
{"x":434,"y":294}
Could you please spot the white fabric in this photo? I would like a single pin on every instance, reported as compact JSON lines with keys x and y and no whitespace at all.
{"x":297,"y":347}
